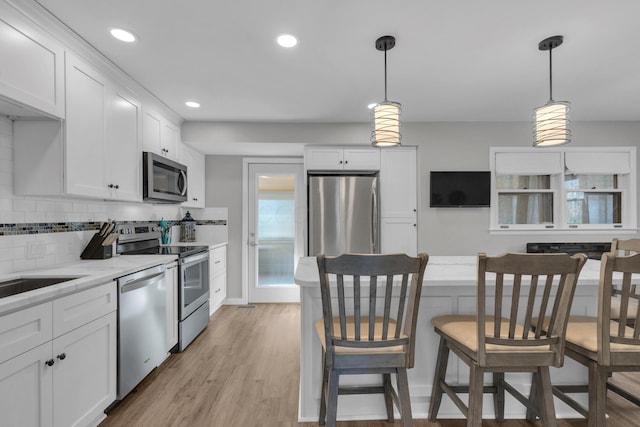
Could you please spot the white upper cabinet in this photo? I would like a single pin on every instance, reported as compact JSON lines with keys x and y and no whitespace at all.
{"x":95,"y":152}
{"x":160,"y":136}
{"x":85,"y":130}
{"x":398,"y":182}
{"x":195,"y":177}
{"x":103,"y":155}
{"x":341,"y":158}
{"x":31,"y":66}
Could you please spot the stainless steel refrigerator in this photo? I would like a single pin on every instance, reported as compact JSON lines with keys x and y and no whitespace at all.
{"x":343,"y":212}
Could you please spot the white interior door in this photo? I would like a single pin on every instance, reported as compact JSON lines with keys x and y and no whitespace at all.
{"x":275,"y":231}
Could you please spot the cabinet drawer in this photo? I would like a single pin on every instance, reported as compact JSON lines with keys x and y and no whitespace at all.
{"x":218,"y":260}
{"x":83,"y":307}
{"x":218,"y":290}
{"x":24,"y":330}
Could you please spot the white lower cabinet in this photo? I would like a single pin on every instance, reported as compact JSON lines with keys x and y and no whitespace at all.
{"x":217,"y":277}
{"x":68,"y":380}
{"x":26,"y":387}
{"x":171,"y":275}
{"x":84,"y":372}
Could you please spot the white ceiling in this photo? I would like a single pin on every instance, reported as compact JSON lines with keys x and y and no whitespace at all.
{"x":455,"y":60}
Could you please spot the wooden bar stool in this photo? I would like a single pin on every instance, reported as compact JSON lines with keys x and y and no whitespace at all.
{"x":499,"y":339}
{"x":607,"y":343}
{"x":376,"y":301}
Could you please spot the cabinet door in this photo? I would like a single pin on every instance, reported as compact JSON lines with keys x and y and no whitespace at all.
{"x":170,"y":140}
{"x":366,"y":158}
{"x":84,"y":373}
{"x":26,"y":385}
{"x":151,"y":132}
{"x":323,"y":158}
{"x":195,"y":176}
{"x":171,"y":276}
{"x":399,"y":235}
{"x":72,"y":311}
{"x":398,"y":182}
{"x":85,"y":130}
{"x":32,"y":66}
{"x":123,"y":154}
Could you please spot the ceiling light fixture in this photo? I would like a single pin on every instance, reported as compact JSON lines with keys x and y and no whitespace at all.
{"x":123,"y":35}
{"x":192,"y":104}
{"x":551,"y":127}
{"x":287,"y":40}
{"x":386,"y":114}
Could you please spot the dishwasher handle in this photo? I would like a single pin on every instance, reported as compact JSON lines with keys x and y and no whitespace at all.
{"x":141,"y":282}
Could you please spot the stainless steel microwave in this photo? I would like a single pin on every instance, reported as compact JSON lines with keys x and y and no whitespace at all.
{"x":163,"y":180}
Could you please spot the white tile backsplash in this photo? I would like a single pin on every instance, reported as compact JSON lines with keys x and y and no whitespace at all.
{"x":59,"y":248}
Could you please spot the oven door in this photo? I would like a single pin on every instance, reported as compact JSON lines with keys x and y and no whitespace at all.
{"x":194,"y":283}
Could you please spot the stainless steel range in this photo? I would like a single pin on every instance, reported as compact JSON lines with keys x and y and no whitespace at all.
{"x":193,"y":273}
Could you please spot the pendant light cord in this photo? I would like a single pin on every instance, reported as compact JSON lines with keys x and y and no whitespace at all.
{"x":550,"y":77}
{"x":385,"y":75}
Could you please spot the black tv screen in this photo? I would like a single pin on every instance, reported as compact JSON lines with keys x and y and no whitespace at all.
{"x":460,"y":189}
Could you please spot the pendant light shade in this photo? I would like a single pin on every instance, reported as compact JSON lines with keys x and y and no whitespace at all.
{"x":551,"y":121}
{"x":386,"y":114}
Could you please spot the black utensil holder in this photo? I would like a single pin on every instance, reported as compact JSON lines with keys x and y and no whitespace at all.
{"x":95,"y":250}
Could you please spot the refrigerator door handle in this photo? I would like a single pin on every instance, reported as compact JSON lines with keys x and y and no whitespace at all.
{"x":374,"y":220}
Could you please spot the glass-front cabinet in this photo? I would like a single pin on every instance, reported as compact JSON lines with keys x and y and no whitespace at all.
{"x":563,"y":189}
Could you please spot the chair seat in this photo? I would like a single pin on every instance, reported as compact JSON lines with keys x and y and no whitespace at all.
{"x":582,"y":332}
{"x":463,"y":329}
{"x":364,"y":332}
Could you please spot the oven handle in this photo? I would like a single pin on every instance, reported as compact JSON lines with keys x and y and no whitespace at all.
{"x":193,"y":259}
{"x":141,"y":283}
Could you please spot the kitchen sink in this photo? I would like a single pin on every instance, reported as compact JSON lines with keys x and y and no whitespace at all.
{"x":25,"y":284}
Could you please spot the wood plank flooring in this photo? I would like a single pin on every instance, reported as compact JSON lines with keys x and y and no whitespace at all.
{"x":242,"y":371}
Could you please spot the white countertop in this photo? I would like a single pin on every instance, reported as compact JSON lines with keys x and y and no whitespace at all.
{"x":90,"y":273}
{"x":211,"y":245}
{"x":441,"y":271}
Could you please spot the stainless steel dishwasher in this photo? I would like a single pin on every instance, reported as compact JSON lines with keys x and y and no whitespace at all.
{"x":142,"y":330}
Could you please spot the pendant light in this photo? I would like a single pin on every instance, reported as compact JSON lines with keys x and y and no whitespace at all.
{"x":386,"y":114}
{"x":551,"y":127}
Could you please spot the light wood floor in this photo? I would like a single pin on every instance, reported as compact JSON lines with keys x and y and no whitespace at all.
{"x":242,"y":371}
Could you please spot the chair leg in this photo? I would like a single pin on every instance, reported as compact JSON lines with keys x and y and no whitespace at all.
{"x":332,"y":400}
{"x":597,"y":395}
{"x":498,"y":397}
{"x":438,"y":377}
{"x":405,"y":399}
{"x":323,"y":391}
{"x":545,"y":398}
{"x":388,"y":399}
{"x":476,"y":386}
{"x":533,"y":396}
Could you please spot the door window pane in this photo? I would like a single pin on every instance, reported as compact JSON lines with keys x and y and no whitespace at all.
{"x":276,"y":230}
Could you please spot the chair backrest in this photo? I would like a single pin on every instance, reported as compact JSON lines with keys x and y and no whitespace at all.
{"x":616,"y":274}
{"x":628,"y":304}
{"x":378,"y":293}
{"x":625,"y":247}
{"x":551,"y":281}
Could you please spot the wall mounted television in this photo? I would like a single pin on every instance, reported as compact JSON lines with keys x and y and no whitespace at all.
{"x":454,"y":189}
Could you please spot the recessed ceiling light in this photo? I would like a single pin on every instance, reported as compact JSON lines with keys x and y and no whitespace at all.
{"x":192,"y":104}
{"x":287,"y":40}
{"x":123,"y":35}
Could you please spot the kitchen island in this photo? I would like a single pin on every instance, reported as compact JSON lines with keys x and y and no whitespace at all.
{"x":449,"y":287}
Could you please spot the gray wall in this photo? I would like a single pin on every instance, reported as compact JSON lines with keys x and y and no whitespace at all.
{"x":441,"y":146}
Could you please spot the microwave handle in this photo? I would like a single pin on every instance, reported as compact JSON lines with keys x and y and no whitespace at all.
{"x":183,"y":180}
